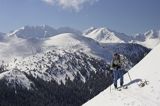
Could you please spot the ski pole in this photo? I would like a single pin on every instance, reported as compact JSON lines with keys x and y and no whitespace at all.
{"x":110,"y":88}
{"x":129,"y":76}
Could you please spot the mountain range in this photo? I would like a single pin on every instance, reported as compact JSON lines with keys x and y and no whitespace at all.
{"x":37,"y":60}
{"x":43,"y":31}
{"x":103,"y":35}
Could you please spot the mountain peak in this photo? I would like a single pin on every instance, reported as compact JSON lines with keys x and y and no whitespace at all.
{"x":106,"y":35}
{"x":34,"y":32}
{"x":152,"y":34}
{"x":87,"y":31}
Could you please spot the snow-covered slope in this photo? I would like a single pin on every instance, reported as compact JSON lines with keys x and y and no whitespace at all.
{"x":30,"y":56}
{"x":149,"y":95}
{"x":15,"y":47}
{"x":57,"y":65}
{"x":14,"y":77}
{"x":149,"y":39}
{"x":77,"y":43}
{"x":105,"y":35}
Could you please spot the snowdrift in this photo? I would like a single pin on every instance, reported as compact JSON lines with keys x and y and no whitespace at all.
{"x":149,"y":95}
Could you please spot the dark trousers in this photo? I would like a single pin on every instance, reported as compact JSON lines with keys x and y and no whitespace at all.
{"x":118,"y":73}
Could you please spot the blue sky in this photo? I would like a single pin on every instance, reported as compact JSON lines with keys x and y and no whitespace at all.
{"x":128,"y":16}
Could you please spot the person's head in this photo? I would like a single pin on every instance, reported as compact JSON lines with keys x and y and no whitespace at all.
{"x":116,"y":56}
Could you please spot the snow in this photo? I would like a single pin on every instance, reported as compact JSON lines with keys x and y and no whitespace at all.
{"x":16,"y":48}
{"x":24,"y":50}
{"x":29,"y":40}
{"x":14,"y":77}
{"x":22,"y":54}
{"x":43,"y":31}
{"x":150,"y":43}
{"x":33,"y":32}
{"x":148,"y":39}
{"x":103,"y":35}
{"x":62,"y":40}
{"x":77,"y":43}
{"x":149,"y":95}
{"x":56,"y":64}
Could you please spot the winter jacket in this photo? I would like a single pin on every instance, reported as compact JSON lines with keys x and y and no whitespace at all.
{"x":116,"y":63}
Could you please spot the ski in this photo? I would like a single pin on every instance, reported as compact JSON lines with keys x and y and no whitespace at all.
{"x":118,"y":89}
{"x":125,"y":87}
{"x":121,"y":88}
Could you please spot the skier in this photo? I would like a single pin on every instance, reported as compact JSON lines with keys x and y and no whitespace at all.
{"x":116,"y":66}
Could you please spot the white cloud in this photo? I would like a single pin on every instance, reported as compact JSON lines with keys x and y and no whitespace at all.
{"x":49,"y":1}
{"x":70,"y":4}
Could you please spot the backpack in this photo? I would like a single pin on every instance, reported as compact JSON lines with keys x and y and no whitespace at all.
{"x":116,"y":63}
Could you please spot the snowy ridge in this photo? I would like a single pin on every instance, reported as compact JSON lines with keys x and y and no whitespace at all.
{"x":149,"y":95}
{"x":16,"y":77}
{"x":75,"y":42}
{"x":103,"y":35}
{"x":19,"y":47}
{"x":54,"y":58}
{"x":42,"y":31}
{"x":55,"y":65}
{"x":33,"y":32}
{"x":149,"y":39}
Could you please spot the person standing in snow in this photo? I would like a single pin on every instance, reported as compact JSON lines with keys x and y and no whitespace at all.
{"x":116,"y":66}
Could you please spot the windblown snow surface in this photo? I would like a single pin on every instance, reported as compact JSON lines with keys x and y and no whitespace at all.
{"x":149,"y":95}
